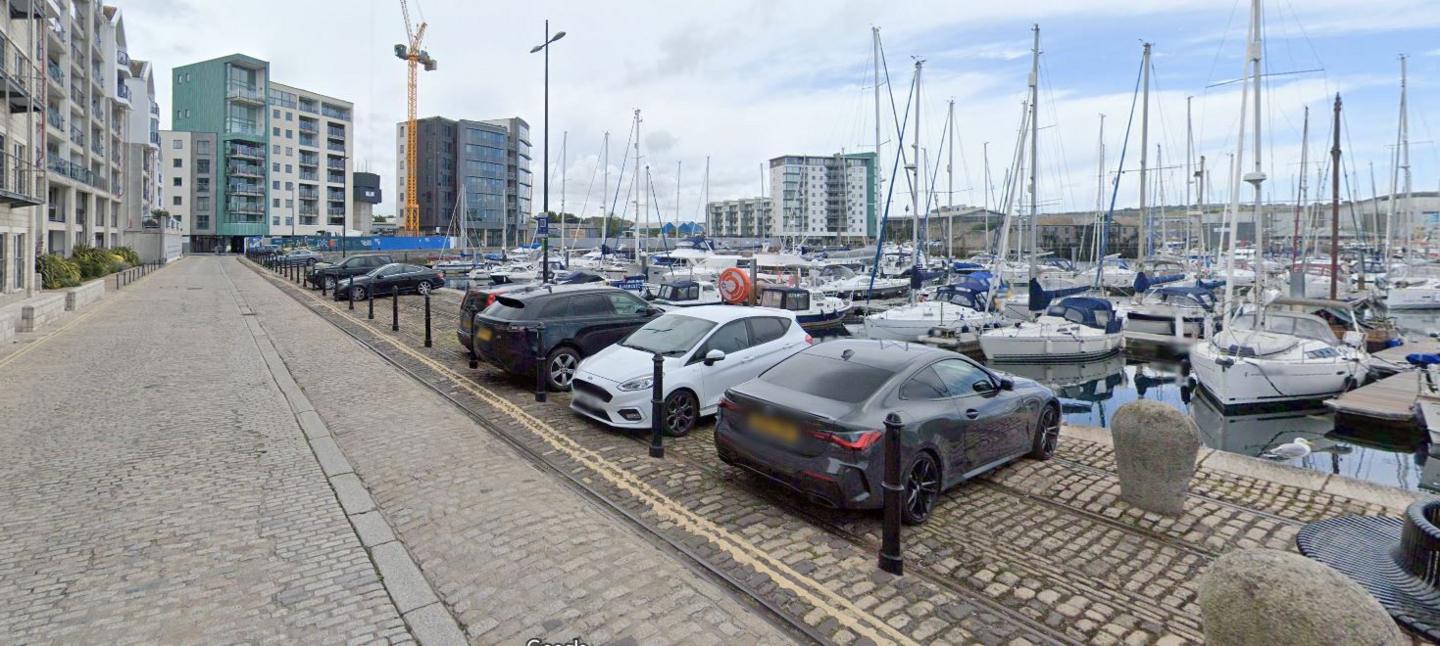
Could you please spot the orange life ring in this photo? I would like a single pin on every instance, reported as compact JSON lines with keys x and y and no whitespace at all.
{"x":733,"y":285}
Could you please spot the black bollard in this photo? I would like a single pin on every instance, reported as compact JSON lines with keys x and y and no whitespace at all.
{"x":370,"y":297}
{"x":322,"y":286}
{"x":427,"y":319}
{"x":657,"y":407}
{"x":394,"y":310}
{"x":541,"y":387}
{"x":890,"y":558}
{"x":350,"y":298}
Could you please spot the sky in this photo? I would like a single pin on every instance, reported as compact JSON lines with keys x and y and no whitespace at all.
{"x":740,"y":82}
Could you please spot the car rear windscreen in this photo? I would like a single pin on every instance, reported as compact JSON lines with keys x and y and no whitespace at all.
{"x":829,"y":378}
{"x":502,"y":312}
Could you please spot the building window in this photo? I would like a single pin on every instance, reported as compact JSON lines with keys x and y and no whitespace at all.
{"x":177,"y":181}
{"x":177,"y":144}
{"x":202,"y":165}
{"x":290,"y":220}
{"x":275,"y":113}
{"x":175,"y":200}
{"x":203,"y":146}
{"x":275,"y":220}
{"x":289,"y":168}
{"x":275,"y":184}
{"x":289,"y":116}
{"x":274,"y":167}
{"x":202,"y":184}
{"x":176,"y":163}
{"x":289,"y":152}
{"x":275,"y":132}
{"x":289,"y":186}
{"x":202,"y":221}
{"x":275,"y":202}
{"x":289,"y":203}
{"x":202,"y":204}
{"x":289,"y":134}
{"x":274,"y":149}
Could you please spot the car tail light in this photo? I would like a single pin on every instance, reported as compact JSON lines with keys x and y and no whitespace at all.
{"x":726,"y":404}
{"x":489,"y":299}
{"x":863,"y":441}
{"x":809,"y":340}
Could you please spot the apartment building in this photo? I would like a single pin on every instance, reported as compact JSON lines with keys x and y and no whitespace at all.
{"x":831,"y":197}
{"x":142,"y":149}
{"x":22,"y":177}
{"x":284,"y":164}
{"x":87,"y":109}
{"x":189,"y":165}
{"x":489,"y":161}
{"x":743,"y":218}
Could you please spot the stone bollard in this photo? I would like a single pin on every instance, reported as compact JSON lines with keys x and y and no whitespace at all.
{"x":1274,"y":597}
{"x":1155,"y":450}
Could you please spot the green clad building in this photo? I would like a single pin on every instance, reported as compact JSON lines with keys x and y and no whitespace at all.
{"x":226,"y":96}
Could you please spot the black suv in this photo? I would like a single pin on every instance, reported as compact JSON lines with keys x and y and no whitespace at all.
{"x":329,"y":275}
{"x":479,"y":297}
{"x":579,"y":320}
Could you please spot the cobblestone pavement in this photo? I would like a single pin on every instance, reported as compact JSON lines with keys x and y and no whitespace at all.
{"x":157,"y":488}
{"x":1037,"y":552}
{"x":511,"y":550}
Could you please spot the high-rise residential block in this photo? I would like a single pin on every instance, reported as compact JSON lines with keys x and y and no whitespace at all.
{"x":87,"y":110}
{"x":284,"y":154}
{"x":23,"y":38}
{"x":488,"y":162}
{"x":831,"y":197}
{"x":142,"y":149}
{"x":743,"y":218}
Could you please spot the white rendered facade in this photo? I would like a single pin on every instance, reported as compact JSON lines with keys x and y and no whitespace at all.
{"x":311,"y":156}
{"x":822,"y":197}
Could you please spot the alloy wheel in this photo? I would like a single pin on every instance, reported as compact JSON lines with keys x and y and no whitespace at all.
{"x":922,"y":487}
{"x":330,"y":283}
{"x":423,"y":288}
{"x":679,"y":413}
{"x":562,"y":369}
{"x":1049,"y":432}
{"x":357,"y":293}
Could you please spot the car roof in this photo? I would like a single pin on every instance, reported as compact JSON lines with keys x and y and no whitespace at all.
{"x":727,"y":313}
{"x":542,"y":291}
{"x":895,"y":356}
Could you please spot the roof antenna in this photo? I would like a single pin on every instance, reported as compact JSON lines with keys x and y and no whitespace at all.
{"x":849,"y":352}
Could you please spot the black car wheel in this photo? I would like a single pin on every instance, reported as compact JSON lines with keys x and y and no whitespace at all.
{"x":330,"y":283}
{"x":922,"y":487}
{"x":357,"y":293}
{"x":681,"y":410}
{"x":423,"y":288}
{"x":1047,"y":434}
{"x":561,"y":368}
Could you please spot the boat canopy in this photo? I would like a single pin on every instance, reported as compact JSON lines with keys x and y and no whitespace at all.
{"x":1088,"y":311}
{"x":1144,"y":281}
{"x":1298,"y":324}
{"x":1040,"y":297}
{"x":1172,"y":293}
{"x":795,"y":299}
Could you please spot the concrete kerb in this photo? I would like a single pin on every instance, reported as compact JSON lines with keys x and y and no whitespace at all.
{"x":414,"y":598}
{"x":1391,"y":498}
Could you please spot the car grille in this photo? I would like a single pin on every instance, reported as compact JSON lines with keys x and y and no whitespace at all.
{"x":593,"y":410}
{"x":591,"y":389}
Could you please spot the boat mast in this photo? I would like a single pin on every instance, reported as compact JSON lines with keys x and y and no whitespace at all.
{"x":915,"y":188}
{"x":1335,"y":205}
{"x":1257,"y":177}
{"x":604,"y":210}
{"x":677,"y":202}
{"x":1232,"y":212}
{"x":1407,"y":227}
{"x":564,"y":148}
{"x":1095,"y":251}
{"x":950,"y":188}
{"x":985,"y":192}
{"x":1144,"y":241}
{"x":635,"y":185}
{"x":1300,"y":201}
{"x":1034,"y":147}
{"x":1200,"y":205}
{"x":1189,"y":175}
{"x":879,"y":178}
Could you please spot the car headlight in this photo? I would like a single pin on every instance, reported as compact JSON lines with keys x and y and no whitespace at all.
{"x":637,"y":384}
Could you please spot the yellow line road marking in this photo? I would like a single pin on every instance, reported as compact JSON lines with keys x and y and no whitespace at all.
{"x":742,"y":551}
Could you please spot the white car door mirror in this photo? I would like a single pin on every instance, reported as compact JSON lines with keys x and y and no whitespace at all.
{"x":714,"y":356}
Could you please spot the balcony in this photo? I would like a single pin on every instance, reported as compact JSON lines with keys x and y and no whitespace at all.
{"x":245,"y":188}
{"x":334,"y":132}
{"x":309,"y":126}
{"x":114,"y":154}
{"x":56,"y":74}
{"x":310,"y":140}
{"x":122,"y":90}
{"x":122,"y":57}
{"x":77,"y":136}
{"x":18,"y":182}
{"x":238,"y":126}
{"x":309,"y":176}
{"x":245,"y":206}
{"x":154,"y":138}
{"x":239,"y":150}
{"x":335,"y":147}
{"x":335,"y":210}
{"x":99,"y":148}
{"x":54,"y":117}
{"x":76,"y":172}
{"x":245,"y":170}
{"x":335,"y":177}
{"x":312,"y":211}
{"x":335,"y":164}
{"x":154,"y":109}
{"x":311,"y":194}
{"x":335,"y":113}
{"x":241,"y":93}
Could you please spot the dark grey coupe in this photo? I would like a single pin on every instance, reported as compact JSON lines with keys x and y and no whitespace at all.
{"x":814,"y":422}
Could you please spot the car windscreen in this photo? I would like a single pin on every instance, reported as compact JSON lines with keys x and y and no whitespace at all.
{"x":671,"y":335}
{"x":834,"y":379}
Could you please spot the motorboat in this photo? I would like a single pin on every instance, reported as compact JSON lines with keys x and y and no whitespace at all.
{"x":1273,"y":354}
{"x":954,"y":309}
{"x":686,"y":293}
{"x":842,"y":282}
{"x":1182,"y":312}
{"x":1413,"y":294}
{"x":1073,"y":329}
{"x":524,"y":272}
{"x":813,"y":309}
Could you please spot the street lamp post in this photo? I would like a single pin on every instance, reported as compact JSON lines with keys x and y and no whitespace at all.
{"x":545,"y":160}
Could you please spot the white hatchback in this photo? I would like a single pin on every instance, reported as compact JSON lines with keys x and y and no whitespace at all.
{"x":705,"y":349}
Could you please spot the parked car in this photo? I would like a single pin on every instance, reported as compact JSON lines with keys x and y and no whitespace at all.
{"x":478,"y":297}
{"x":329,"y":274}
{"x":298,"y":257}
{"x":707,"y":349}
{"x":579,"y":321}
{"x":814,"y":422}
{"x":396,"y":277}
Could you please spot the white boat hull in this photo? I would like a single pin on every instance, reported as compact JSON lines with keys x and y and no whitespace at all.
{"x":910,"y":322}
{"x":1413,"y":298}
{"x":1044,"y":342}
{"x":1254,"y":381}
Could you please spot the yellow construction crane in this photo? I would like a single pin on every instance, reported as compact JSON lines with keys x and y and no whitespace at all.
{"x":411,"y":53}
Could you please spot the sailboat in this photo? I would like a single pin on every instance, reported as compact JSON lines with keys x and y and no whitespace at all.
{"x":1075,"y":327}
{"x":1275,"y":350}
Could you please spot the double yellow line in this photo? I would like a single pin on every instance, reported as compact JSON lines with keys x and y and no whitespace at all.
{"x":851,"y":616}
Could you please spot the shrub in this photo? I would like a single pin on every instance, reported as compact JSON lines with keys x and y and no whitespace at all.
{"x":94,"y":263}
{"x":57,"y":272}
{"x":128,"y":255}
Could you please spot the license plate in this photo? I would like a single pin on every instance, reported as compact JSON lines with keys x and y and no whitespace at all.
{"x":484,"y":333}
{"x":586,"y":399}
{"x":774,"y":428}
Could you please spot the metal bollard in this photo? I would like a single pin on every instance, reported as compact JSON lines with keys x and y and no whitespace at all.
{"x":657,"y":407}
{"x":370,"y":296}
{"x":541,"y":387}
{"x":322,"y":286}
{"x":427,"y":319}
{"x":394,"y":310}
{"x":890,"y":558}
{"x":349,"y":298}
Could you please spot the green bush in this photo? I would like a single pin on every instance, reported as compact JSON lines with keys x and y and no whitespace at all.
{"x":128,"y":255}
{"x":94,"y":263}
{"x":57,"y":272}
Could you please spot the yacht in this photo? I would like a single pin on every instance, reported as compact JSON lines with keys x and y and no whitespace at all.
{"x":686,"y":293}
{"x":1273,"y":354}
{"x":1074,"y":329}
{"x":952,"y":310}
{"x":813,"y":309}
{"x":1174,"y":311}
{"x":842,"y":282}
{"x":1413,"y":294}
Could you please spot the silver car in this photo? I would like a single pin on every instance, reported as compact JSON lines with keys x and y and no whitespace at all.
{"x":814,"y":422}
